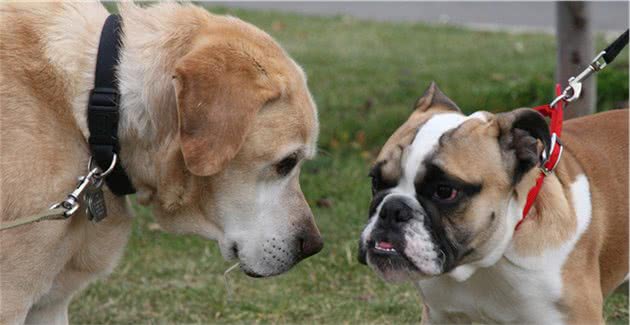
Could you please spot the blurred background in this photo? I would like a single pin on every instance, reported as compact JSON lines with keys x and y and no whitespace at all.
{"x":366,"y":63}
{"x":606,"y":16}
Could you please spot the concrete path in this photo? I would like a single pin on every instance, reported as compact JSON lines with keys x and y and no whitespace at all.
{"x":608,"y":17}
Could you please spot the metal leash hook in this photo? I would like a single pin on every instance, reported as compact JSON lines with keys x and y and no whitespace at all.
{"x":91,"y":183}
{"x":605,"y":57}
{"x":574,"y":89}
{"x":555,"y":111}
{"x":93,"y":180}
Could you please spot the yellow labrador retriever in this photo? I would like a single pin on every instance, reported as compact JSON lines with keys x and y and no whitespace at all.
{"x":215,"y":121}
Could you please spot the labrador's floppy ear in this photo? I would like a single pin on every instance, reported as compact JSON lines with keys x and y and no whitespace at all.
{"x":219,"y":91}
{"x":433,"y":97}
{"x":519,"y":133}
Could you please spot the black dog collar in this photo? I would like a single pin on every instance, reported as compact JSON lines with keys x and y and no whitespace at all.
{"x":103,"y":109}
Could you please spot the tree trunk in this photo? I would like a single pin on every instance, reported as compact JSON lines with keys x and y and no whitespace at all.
{"x":575,"y":52}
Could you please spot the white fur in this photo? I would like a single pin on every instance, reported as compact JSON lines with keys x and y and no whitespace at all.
{"x":519,"y":289}
{"x":420,"y":248}
{"x":258,"y":221}
{"x":367,"y":231}
{"x":424,"y":142}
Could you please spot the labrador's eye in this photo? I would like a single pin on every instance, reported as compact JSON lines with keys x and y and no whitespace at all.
{"x":445,"y":193}
{"x":286,"y":165}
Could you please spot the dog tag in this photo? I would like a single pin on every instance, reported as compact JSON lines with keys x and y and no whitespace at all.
{"x":96,"y":209}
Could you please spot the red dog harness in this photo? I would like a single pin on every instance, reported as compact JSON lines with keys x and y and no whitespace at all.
{"x":552,"y":156}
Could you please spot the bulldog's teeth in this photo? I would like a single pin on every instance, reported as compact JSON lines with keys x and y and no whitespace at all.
{"x":384,"y":247}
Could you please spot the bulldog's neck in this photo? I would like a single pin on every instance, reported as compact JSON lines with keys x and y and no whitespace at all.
{"x":551,"y":221}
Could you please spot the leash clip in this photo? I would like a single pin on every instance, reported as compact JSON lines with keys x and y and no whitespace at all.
{"x":93,"y":178}
{"x":574,"y":89}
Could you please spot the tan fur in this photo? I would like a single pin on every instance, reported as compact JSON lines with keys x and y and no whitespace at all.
{"x":596,"y":146}
{"x":471,"y":154}
{"x":390,"y":155}
{"x":599,"y":263}
{"x":237,"y":105}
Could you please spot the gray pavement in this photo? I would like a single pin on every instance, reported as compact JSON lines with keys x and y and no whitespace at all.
{"x":607,"y":17}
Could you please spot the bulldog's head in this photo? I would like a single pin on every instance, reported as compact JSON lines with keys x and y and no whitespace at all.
{"x":229,"y":168}
{"x":444,"y":189}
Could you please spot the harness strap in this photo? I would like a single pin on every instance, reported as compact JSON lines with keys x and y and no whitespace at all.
{"x":552,"y":155}
{"x":103,"y":107}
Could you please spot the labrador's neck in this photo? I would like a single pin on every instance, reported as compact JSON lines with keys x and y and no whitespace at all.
{"x":148,"y":115}
{"x":153,"y":43}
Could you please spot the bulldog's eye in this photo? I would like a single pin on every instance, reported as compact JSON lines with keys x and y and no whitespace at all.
{"x":286,"y":165}
{"x":445,"y":193}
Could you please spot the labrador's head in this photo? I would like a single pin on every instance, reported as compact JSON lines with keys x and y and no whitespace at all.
{"x":246,"y":124}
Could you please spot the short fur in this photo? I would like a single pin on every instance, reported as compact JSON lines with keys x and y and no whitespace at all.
{"x":568,"y":255}
{"x":210,"y":105}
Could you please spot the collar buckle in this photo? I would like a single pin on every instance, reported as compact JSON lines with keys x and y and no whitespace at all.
{"x":104,"y":97}
{"x":103,"y":117}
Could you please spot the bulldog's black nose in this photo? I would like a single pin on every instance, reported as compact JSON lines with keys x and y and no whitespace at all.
{"x":396,"y":210}
{"x":310,"y":244}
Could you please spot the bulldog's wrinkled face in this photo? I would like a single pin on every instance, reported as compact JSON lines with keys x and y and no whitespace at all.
{"x":247,"y":122}
{"x":443,"y":188}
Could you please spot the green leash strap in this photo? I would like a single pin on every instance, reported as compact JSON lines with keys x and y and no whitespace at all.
{"x":52,"y":214}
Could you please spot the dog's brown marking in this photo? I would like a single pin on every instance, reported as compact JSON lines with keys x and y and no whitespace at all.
{"x":470,"y":153}
{"x":219,"y":92}
{"x":486,"y":152}
{"x":600,"y":144}
{"x":433,"y":101}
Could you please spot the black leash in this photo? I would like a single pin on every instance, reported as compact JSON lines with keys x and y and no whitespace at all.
{"x":613,"y":49}
{"x":103,"y":109}
{"x":605,"y":57}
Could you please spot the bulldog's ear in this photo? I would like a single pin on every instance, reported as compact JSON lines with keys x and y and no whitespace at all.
{"x":433,"y":97}
{"x":219,"y":91}
{"x":519,"y":133}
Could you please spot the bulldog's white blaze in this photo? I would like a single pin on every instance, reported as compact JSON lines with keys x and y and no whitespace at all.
{"x":425,"y":142}
{"x":502,"y":292}
{"x":420,"y":248}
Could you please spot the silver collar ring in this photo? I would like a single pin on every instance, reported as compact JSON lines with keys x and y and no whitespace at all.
{"x":106,"y":172}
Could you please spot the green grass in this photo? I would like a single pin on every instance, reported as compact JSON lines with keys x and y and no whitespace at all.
{"x":364,"y":77}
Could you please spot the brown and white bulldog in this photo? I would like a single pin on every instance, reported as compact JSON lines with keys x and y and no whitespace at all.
{"x":215,"y":122}
{"x":448,"y":190}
